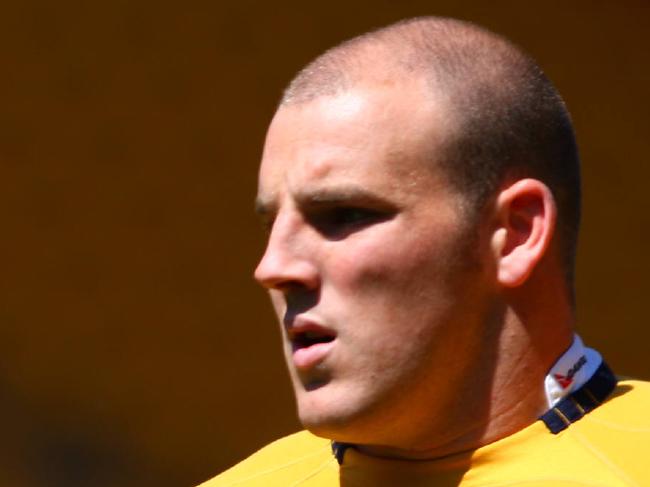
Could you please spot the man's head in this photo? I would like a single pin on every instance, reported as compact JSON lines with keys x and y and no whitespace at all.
{"x":505,"y":116}
{"x":392,"y":212}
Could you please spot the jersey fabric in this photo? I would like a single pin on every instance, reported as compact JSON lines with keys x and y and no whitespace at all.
{"x":608,"y":447}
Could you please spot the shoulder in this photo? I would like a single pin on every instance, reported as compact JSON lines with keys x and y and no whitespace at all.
{"x":606,"y":447}
{"x":627,"y":405}
{"x":284,"y":462}
{"x":617,"y":433}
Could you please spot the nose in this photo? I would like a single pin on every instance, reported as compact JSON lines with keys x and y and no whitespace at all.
{"x":288,"y":261}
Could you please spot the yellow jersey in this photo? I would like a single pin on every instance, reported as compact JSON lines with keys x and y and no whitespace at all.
{"x":609,"y":446}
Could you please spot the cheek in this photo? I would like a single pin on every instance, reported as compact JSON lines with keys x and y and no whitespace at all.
{"x":402,"y":264}
{"x":402,"y":284}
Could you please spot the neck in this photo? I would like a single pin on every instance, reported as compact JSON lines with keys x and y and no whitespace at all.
{"x":515,"y":399}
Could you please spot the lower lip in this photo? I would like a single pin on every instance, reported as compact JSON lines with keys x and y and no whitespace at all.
{"x":307,"y":357}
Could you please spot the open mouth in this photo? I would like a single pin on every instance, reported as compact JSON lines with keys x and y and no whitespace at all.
{"x":311,"y":344}
{"x":308,"y":338}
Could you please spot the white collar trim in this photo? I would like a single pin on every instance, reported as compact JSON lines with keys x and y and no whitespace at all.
{"x":571,"y":371}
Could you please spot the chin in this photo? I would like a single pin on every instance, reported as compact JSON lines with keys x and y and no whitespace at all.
{"x":333,"y":416}
{"x":320,"y":410}
{"x":331,"y":429}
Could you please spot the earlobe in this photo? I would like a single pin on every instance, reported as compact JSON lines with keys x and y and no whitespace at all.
{"x":526,"y":215}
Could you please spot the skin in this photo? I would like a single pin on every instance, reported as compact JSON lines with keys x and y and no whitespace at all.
{"x":369,"y":244}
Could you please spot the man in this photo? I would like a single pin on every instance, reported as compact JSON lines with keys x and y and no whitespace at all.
{"x":420,"y":185}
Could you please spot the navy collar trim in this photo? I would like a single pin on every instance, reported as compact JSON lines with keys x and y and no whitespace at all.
{"x":338,"y":449}
{"x":587,"y":398}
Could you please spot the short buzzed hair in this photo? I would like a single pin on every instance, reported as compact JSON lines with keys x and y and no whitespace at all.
{"x":510,"y":121}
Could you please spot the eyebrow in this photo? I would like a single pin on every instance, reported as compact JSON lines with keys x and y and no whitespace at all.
{"x":324,"y":197}
{"x":263,"y":207}
{"x":342,"y":194}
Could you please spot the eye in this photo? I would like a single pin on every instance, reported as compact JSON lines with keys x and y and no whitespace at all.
{"x":266,"y":222}
{"x":340,"y":221}
{"x":350,"y":216}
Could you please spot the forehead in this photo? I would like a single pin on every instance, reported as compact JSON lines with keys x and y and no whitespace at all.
{"x":381,"y":136}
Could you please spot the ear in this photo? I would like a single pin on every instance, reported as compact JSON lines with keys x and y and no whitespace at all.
{"x":526,"y":214}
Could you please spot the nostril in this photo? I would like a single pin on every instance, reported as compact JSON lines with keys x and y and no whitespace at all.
{"x":269,"y":271}
{"x":286,"y":273}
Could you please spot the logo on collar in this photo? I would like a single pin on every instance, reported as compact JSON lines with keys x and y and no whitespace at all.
{"x":566,"y":380}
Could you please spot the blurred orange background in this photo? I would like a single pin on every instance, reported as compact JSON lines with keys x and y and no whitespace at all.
{"x":135,"y":348}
